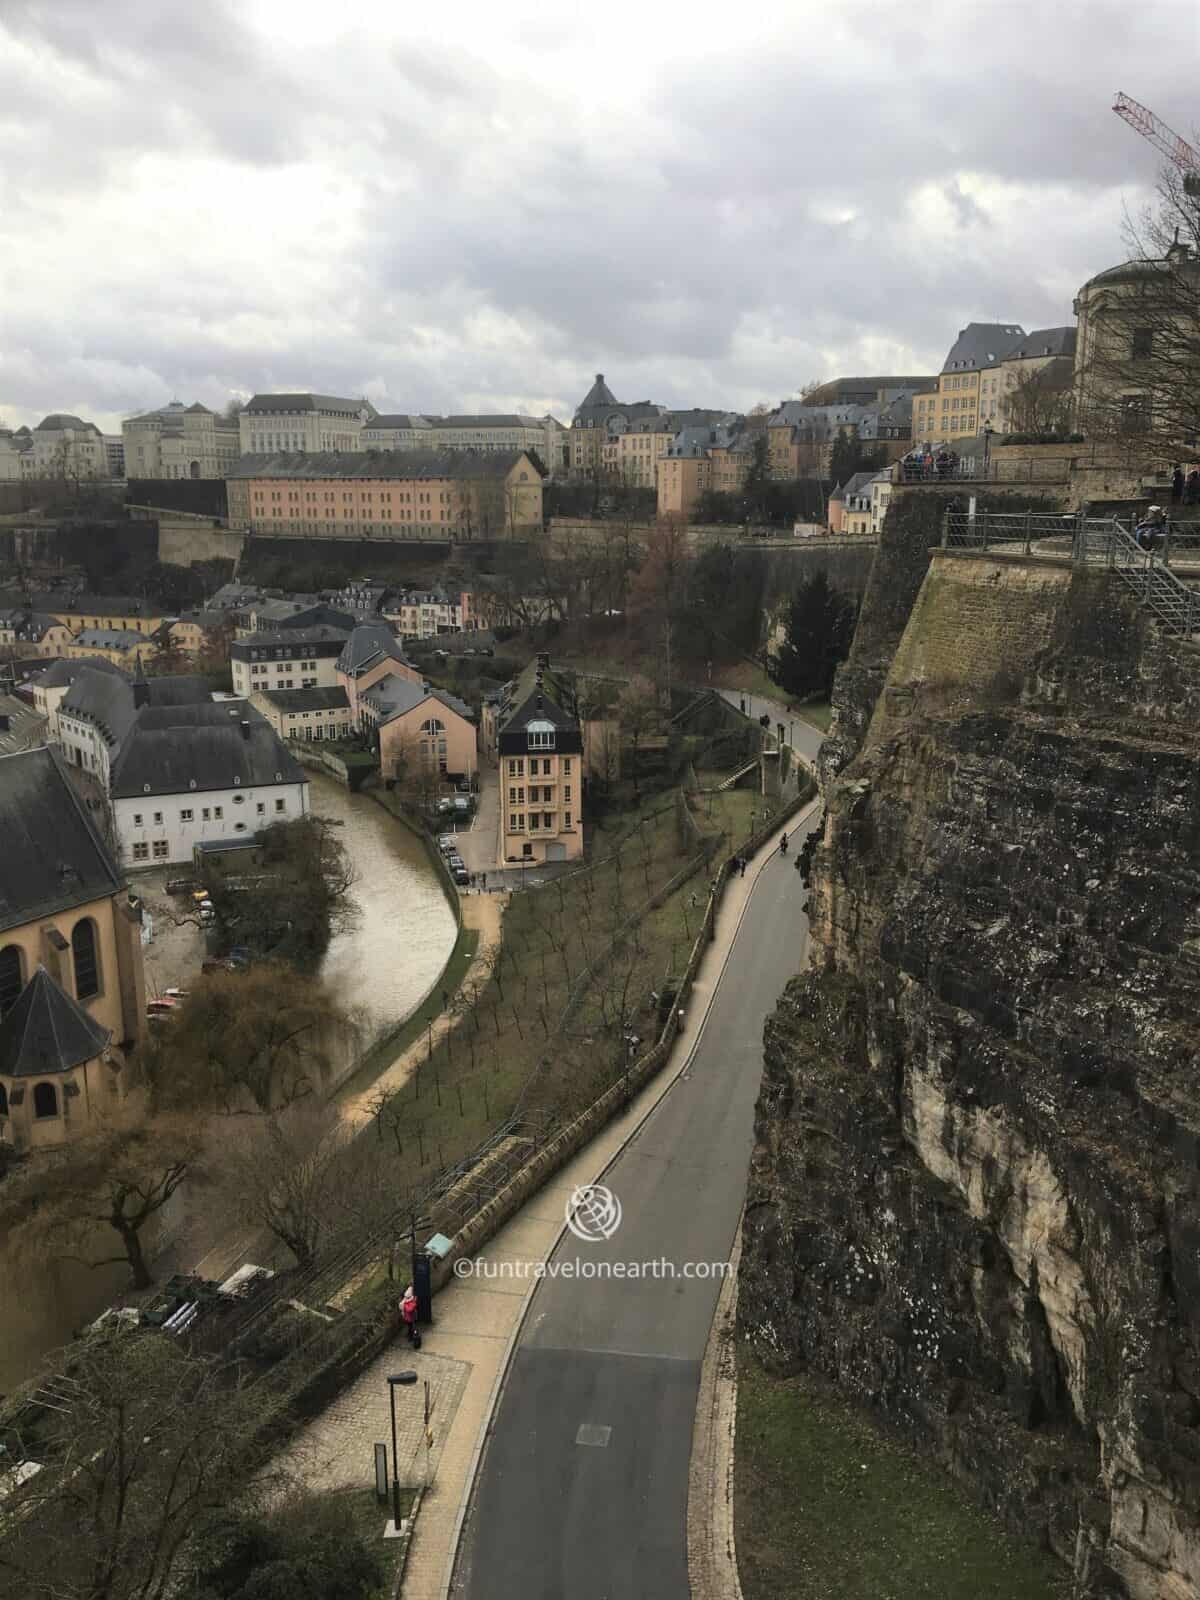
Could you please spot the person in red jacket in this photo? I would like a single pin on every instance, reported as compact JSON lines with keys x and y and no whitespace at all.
{"x":408,"y":1310}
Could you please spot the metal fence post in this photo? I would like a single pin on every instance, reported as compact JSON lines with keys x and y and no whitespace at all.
{"x":983,"y":514}
{"x":945,"y":527}
{"x":1028,"y":530}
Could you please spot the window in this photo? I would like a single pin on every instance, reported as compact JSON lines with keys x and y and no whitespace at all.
{"x":85,"y":959}
{"x":239,"y":799}
{"x":566,"y":819}
{"x":280,"y":805}
{"x":218,"y":812}
{"x":1143,"y":343}
{"x":158,"y":819}
{"x":160,"y":849}
{"x":186,"y":815}
{"x":261,"y":808}
{"x":45,"y":1100}
{"x":11,"y":976}
{"x":540,"y":735}
{"x":566,"y":791}
{"x":137,"y":819}
{"x":206,"y":815}
{"x":547,"y":820}
{"x":512,"y":797}
{"x":141,"y":851}
{"x":566,"y":766}
{"x":533,"y":821}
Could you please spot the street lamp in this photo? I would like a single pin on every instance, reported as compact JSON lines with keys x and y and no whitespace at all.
{"x":987,"y":446}
{"x":404,"y":1378}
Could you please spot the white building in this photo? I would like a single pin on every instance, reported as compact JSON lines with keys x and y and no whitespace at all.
{"x":179,"y":441}
{"x":288,"y":658}
{"x":92,"y":709}
{"x":190,"y":774}
{"x":492,"y":434}
{"x":15,"y":445}
{"x":423,"y":614}
{"x":66,"y":447}
{"x":274,"y":424}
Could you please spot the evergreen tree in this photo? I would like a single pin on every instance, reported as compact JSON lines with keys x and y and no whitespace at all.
{"x":817,"y":635}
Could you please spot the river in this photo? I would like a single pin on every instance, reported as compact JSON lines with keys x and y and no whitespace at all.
{"x":381,"y":966}
{"x":384,"y":964}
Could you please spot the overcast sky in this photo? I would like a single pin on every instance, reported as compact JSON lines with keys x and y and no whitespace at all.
{"x":479,"y":210}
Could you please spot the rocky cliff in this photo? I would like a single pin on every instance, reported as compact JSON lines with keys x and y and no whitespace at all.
{"x":974,"y":1199}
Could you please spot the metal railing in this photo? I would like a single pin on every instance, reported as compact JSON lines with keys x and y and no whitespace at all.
{"x":1092,"y":542}
{"x":952,"y":468}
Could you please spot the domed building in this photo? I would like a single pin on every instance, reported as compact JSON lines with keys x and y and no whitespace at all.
{"x":1138,"y":329}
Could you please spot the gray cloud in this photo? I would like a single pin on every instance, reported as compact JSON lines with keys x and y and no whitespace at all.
{"x":195,"y":202}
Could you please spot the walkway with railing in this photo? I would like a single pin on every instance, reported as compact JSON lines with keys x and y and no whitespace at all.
{"x":1092,"y":542}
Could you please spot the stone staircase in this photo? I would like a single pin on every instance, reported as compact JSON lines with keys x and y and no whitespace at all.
{"x":1154,"y":586}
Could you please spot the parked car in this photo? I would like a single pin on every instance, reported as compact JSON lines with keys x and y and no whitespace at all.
{"x":460,"y":873}
{"x":445,"y":805}
{"x":448,"y":844}
{"x":454,"y":861}
{"x":462,"y":805}
{"x":181,"y":885}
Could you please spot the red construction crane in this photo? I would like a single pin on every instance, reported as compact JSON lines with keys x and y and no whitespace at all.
{"x":1177,"y":151}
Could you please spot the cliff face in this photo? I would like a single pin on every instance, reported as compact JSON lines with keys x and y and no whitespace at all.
{"x":974,"y":1201}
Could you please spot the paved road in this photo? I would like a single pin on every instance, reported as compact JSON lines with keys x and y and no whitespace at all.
{"x":553,"y":1515}
{"x":801,"y":735}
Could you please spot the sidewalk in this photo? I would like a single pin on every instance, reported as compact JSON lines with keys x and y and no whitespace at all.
{"x":477,"y":1320}
{"x":482,"y":912}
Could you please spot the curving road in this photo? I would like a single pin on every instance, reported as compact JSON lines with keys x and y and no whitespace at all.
{"x":582,"y":1490}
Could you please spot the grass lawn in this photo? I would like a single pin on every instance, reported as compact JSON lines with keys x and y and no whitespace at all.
{"x":828,"y":1506}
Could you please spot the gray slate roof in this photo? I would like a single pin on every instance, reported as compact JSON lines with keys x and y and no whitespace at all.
{"x":107,"y":699}
{"x":598,"y":395}
{"x":306,"y":402}
{"x":393,"y":696}
{"x":979,"y":344}
{"x":369,"y":644}
{"x":63,"y":673}
{"x":171,"y":759}
{"x":398,"y":419}
{"x":53,"y":858}
{"x":379,"y":464}
{"x":58,"y":420}
{"x":46,"y":1031}
{"x":306,"y":699}
{"x":1045,"y":342}
{"x":109,"y":638}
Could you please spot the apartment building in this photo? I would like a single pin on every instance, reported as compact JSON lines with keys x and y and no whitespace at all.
{"x":272,"y":424}
{"x":1046,"y":355}
{"x":287,"y":658}
{"x":538,"y":742}
{"x":62,"y":446}
{"x":494,"y":434}
{"x":702,"y":458}
{"x":442,"y":495}
{"x":178,"y":441}
{"x":954,"y":409}
{"x":99,"y":706}
{"x":316,"y":714}
{"x":419,"y":730}
{"x":425,"y":613}
{"x":599,"y":418}
{"x":630,"y":457}
{"x":371,"y":653}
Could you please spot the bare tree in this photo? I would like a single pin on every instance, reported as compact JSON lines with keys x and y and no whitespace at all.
{"x":119,"y":1177}
{"x":1138,"y":364}
{"x":138,"y":1444}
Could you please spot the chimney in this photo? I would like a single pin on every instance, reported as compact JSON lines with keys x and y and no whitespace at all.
{"x":245,"y":727}
{"x":599,"y":377}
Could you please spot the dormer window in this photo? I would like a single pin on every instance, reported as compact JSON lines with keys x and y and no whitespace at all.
{"x":540,"y":735}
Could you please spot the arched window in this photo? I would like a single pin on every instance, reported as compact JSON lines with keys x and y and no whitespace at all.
{"x":194,"y":469}
{"x":12,"y":977}
{"x":3,"y":1101}
{"x":45,"y":1100}
{"x":86,"y":959}
{"x":432,"y":725}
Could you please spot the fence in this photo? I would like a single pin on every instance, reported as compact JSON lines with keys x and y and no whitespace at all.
{"x":951,"y":468}
{"x":1091,"y":542}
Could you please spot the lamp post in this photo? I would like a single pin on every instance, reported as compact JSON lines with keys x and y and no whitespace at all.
{"x":987,"y":447}
{"x":404,"y":1378}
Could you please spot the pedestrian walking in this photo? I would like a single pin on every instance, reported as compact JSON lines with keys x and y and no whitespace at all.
{"x":1176,"y":483}
{"x":483,"y":879}
{"x":783,"y":844}
{"x":743,"y":864}
{"x":742,"y":704}
{"x":1191,"y":487}
{"x":408,"y":1310}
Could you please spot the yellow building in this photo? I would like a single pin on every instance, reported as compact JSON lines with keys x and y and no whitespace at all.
{"x":1047,"y":354}
{"x":408,"y":494}
{"x":538,"y":744}
{"x":630,"y":457}
{"x":120,"y":646}
{"x":953,"y":410}
{"x":72,"y":990}
{"x":314,"y":714}
{"x":599,"y":420}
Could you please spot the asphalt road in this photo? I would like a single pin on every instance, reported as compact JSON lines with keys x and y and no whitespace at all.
{"x":602,"y":1515}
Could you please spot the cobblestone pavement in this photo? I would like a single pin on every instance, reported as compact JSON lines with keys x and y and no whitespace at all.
{"x":337,"y":1450}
